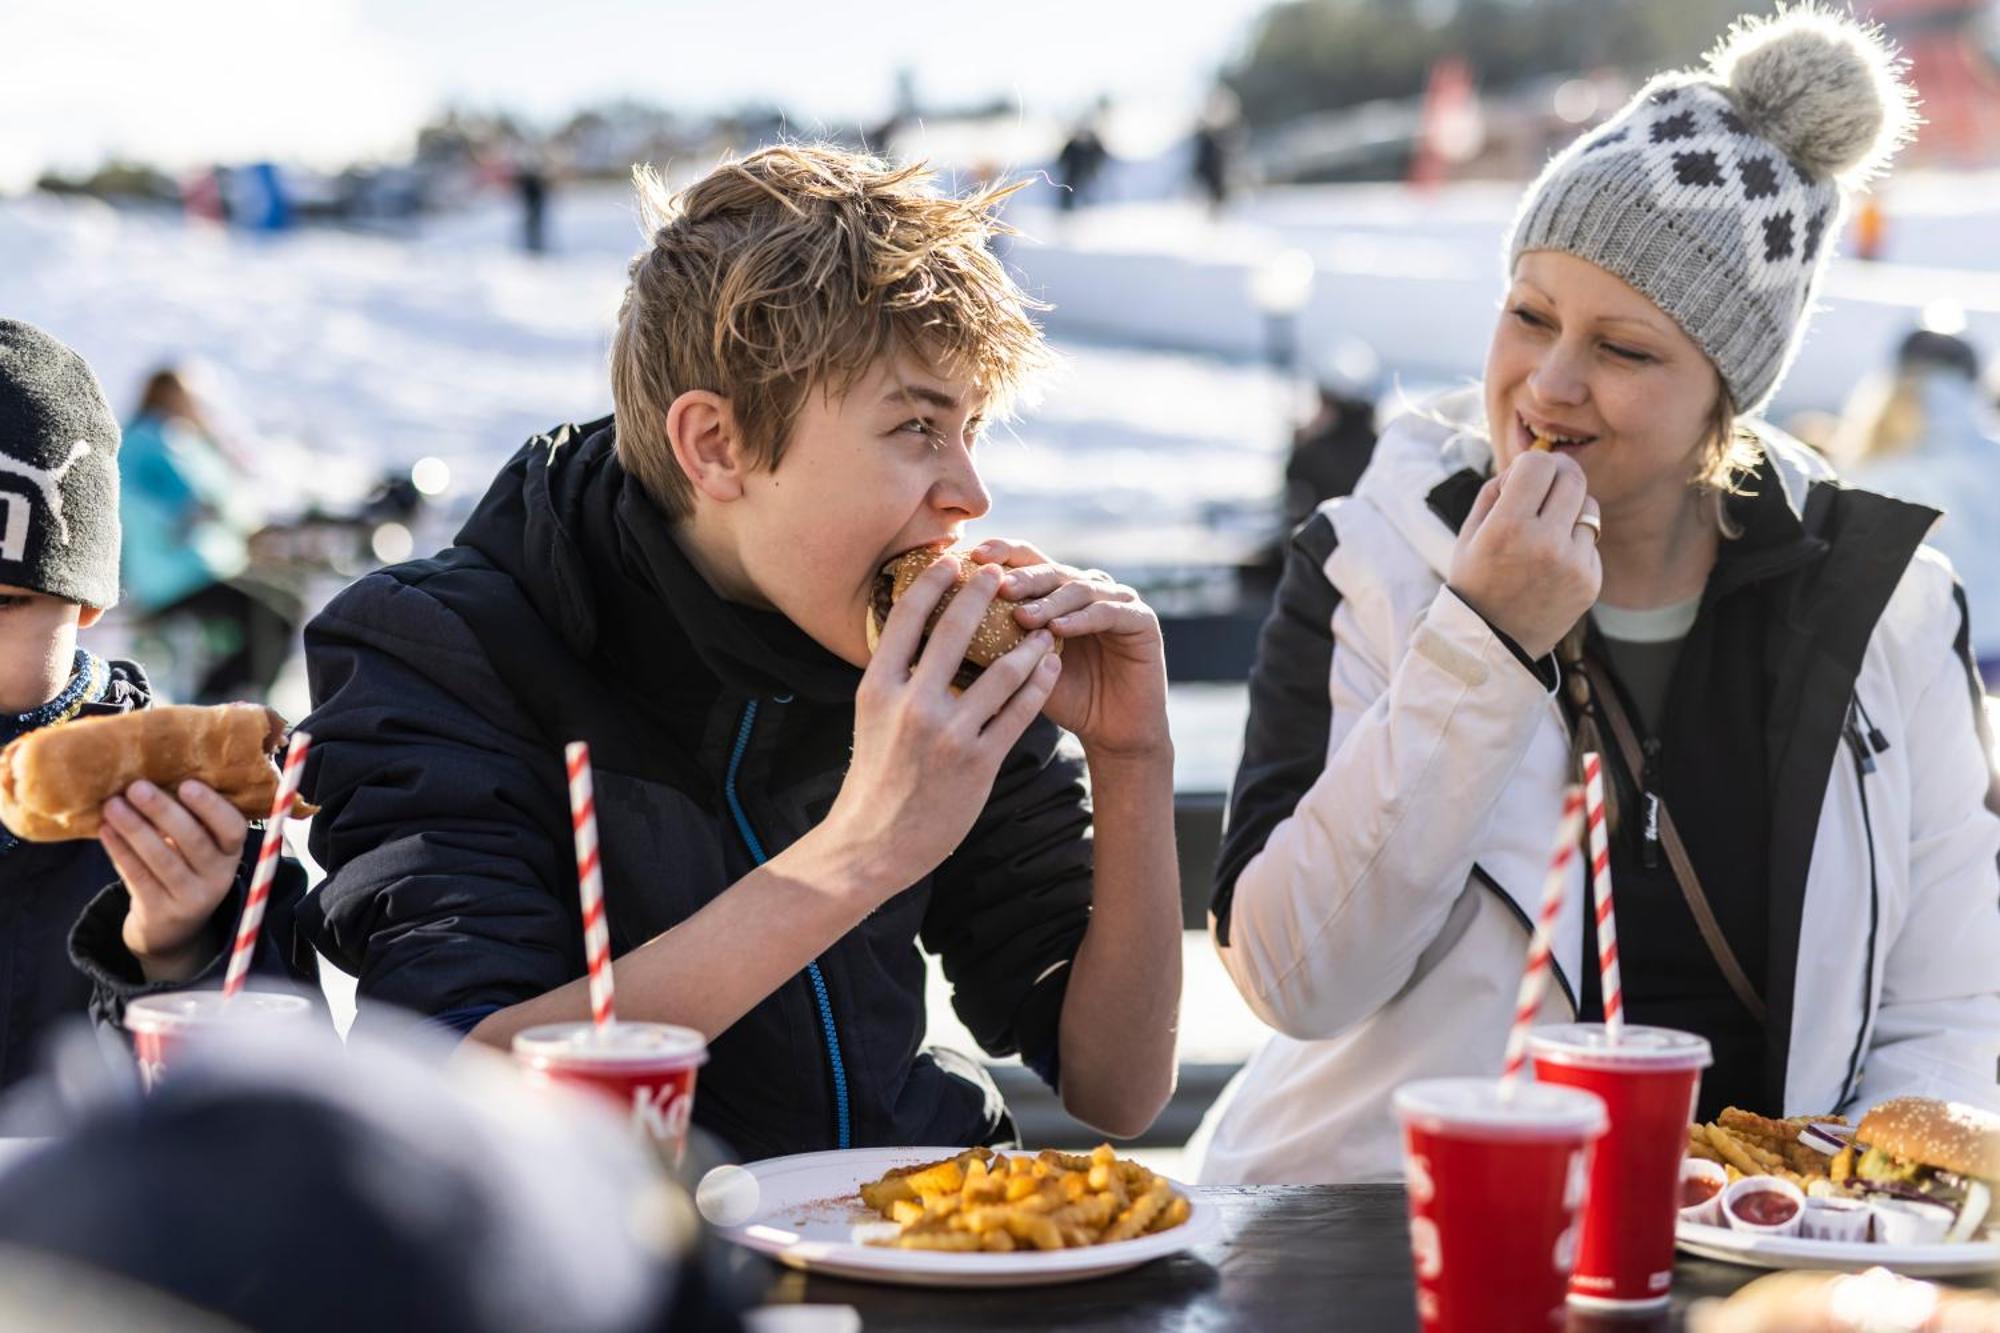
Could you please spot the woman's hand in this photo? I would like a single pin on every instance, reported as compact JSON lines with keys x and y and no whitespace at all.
{"x":1526,"y":558}
{"x":178,"y":860}
{"x":1113,"y":691}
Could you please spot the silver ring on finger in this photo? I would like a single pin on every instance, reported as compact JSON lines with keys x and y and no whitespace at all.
{"x":1594,"y":523}
{"x":1098,"y":576}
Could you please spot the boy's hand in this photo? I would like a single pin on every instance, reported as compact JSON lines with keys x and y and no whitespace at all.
{"x":1113,"y":691}
{"x":925,"y":758}
{"x":178,"y":859}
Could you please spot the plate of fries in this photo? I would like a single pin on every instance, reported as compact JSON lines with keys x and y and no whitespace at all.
{"x":1807,"y":1151}
{"x":1747,"y":1144}
{"x":946,"y":1217}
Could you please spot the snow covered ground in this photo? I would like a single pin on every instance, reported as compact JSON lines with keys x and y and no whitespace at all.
{"x":339,"y":355}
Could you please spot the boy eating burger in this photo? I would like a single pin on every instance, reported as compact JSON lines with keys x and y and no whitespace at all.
{"x":808,"y":348}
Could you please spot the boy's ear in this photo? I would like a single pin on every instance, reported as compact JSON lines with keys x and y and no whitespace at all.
{"x":702,"y":431}
{"x":88,"y":615}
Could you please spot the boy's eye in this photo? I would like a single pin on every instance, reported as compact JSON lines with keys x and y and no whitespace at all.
{"x":11,"y":599}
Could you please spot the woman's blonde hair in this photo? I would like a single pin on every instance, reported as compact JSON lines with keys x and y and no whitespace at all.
{"x":1731,"y":454}
{"x":799,"y":267}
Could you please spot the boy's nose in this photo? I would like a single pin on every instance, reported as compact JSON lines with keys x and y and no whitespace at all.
{"x":959,"y":488}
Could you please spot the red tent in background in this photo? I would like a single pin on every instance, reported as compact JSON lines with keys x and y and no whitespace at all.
{"x":1950,"y":47}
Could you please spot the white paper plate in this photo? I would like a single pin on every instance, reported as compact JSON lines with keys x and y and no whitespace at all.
{"x":803,"y":1212}
{"x":1737,"y":1247}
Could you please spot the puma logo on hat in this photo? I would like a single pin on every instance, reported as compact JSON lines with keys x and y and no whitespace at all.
{"x":20,"y":508}
{"x":58,"y":472}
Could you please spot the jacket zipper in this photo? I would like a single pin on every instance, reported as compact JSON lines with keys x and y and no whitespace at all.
{"x":1865,"y":748}
{"x":843,"y":1125}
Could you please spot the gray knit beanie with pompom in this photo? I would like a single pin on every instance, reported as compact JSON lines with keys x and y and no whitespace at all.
{"x":1719,"y":192}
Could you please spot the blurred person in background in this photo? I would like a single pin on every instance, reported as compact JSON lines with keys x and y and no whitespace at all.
{"x":1331,"y":449}
{"x":532,"y":187}
{"x":89,"y":924}
{"x":1602,"y":548}
{"x":1926,"y":433}
{"x":190,"y":511}
{"x":281,"y":1183}
{"x":1080,"y":160}
{"x":1214,"y":147}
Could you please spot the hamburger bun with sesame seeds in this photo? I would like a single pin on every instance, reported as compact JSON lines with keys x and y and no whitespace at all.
{"x":1944,"y":1152}
{"x":998,"y":633}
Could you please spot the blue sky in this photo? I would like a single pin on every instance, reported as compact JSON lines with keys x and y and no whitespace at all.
{"x":325,"y":80}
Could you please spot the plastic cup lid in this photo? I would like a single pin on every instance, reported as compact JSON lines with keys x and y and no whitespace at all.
{"x":1475,"y":1105}
{"x":183,"y":1009}
{"x":1586,"y":1046}
{"x":615,"y":1044}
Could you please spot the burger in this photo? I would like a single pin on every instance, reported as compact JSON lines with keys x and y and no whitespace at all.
{"x":1928,"y":1151}
{"x":998,"y":633}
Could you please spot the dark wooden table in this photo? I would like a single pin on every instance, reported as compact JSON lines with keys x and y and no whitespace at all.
{"x":1319,"y":1257}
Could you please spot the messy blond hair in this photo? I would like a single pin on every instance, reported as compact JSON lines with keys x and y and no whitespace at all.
{"x":799,"y":267}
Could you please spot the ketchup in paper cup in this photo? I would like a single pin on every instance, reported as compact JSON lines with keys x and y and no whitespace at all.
{"x":1764,"y":1206}
{"x":1702,"y":1184}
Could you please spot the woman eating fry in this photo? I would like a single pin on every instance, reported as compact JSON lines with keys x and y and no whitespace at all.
{"x":1772,"y":666}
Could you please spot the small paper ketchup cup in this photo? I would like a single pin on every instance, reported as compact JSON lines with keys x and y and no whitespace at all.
{"x":1764,"y":1206}
{"x":1908,"y":1222}
{"x":1835,"y":1219}
{"x":645,"y":1070}
{"x":1702,"y":1183}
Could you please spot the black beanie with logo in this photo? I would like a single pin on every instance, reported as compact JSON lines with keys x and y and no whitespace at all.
{"x":58,"y":471}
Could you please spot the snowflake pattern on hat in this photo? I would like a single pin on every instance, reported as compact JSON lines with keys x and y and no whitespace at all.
{"x":1699,"y":155}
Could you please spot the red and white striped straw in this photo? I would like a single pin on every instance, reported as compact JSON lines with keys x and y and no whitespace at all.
{"x":1536,"y":974}
{"x":590,"y":884}
{"x":267,"y":866}
{"x":1600,"y":892}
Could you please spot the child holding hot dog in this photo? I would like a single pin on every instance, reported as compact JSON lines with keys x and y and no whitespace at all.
{"x":87,"y":925}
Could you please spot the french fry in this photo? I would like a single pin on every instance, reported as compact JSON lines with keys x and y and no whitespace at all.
{"x":1748,"y":1124}
{"x":1134,"y":1220}
{"x":1732,"y":1151}
{"x":961,"y":1241}
{"x":980,"y":1201}
{"x":1175,"y":1213}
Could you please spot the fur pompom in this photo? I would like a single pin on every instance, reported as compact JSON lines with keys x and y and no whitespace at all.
{"x":1821,"y":87}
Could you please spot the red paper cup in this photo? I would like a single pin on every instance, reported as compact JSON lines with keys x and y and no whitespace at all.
{"x":163,"y":1025}
{"x":646,"y":1070}
{"x":1495,"y":1185}
{"x":1648,"y":1082}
